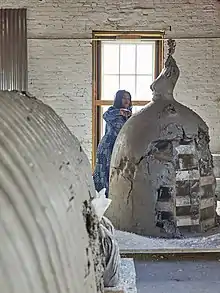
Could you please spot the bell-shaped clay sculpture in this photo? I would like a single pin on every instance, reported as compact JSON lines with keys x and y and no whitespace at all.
{"x":161,"y":177}
{"x":50,"y":235}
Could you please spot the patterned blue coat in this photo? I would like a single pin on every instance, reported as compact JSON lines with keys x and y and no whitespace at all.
{"x":114,"y":123}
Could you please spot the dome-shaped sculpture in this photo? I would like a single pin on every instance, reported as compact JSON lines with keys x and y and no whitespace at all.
{"x":49,"y":233}
{"x":162,"y":178}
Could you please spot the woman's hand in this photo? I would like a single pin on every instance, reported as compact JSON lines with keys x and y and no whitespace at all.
{"x":125,"y":112}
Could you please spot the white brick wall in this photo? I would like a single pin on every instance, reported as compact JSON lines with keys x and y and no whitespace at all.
{"x":60,"y":70}
{"x":60,"y":74}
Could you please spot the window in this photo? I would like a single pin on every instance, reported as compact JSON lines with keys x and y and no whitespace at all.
{"x":123,"y":61}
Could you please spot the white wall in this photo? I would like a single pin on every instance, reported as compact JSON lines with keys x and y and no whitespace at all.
{"x":60,"y":70}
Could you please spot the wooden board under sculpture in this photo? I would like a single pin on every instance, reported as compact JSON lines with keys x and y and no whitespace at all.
{"x":161,"y":177}
{"x":51,"y":238}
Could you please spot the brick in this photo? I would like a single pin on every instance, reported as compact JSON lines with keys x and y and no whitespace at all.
{"x":207,"y":191}
{"x":182,"y":201}
{"x":207,"y":224}
{"x":183,"y":188}
{"x":186,"y":221}
{"x":207,"y":180}
{"x":206,"y":202}
{"x":187,"y":175}
{"x":186,"y":149}
{"x":165,"y":206}
{"x":165,"y":193}
{"x":207,"y":213}
{"x":187,"y":161}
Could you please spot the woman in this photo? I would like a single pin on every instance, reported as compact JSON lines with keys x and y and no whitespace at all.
{"x":115,"y":118}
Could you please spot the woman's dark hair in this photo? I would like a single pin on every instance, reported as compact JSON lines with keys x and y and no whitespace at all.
{"x":118,"y":99}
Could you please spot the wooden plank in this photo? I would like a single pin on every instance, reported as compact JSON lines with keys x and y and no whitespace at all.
{"x":173,"y":254}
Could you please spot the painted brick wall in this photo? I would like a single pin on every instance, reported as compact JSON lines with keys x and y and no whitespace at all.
{"x":60,"y":70}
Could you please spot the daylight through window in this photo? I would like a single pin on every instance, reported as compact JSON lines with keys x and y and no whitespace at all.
{"x":119,"y":63}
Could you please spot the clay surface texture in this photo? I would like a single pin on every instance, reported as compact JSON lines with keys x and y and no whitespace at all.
{"x":162,"y":181}
{"x":49,"y":232}
{"x":111,"y":253}
{"x":109,"y":244}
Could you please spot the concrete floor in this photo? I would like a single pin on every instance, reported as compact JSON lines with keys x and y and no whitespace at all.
{"x":129,"y":242}
{"x":178,"y":277}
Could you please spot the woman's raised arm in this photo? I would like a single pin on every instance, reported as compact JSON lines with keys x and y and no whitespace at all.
{"x":111,"y":114}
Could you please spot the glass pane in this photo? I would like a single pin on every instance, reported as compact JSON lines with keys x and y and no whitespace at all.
{"x":143,"y":88}
{"x":127,"y":82}
{"x":145,"y":58}
{"x":127,"y":59}
{"x":136,"y":109}
{"x":103,"y":123}
{"x":110,"y":60}
{"x":110,"y":85}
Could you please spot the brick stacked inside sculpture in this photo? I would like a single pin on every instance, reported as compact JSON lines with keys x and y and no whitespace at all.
{"x":161,"y":169}
{"x":186,"y":198}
